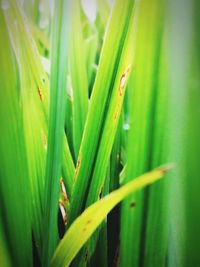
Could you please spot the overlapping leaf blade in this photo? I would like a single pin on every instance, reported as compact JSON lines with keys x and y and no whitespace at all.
{"x":15,"y":211}
{"x":58,"y":80}
{"x":140,"y":134}
{"x":106,"y":75}
{"x":87,"y":222}
{"x":78,"y":74}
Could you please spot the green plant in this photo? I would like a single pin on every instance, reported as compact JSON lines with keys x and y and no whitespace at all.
{"x":87,"y":106}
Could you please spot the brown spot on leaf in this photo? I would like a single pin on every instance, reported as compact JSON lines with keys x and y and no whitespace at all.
{"x":100,"y":192}
{"x":86,"y":257}
{"x":117,"y":112}
{"x":44,"y":139}
{"x":132,"y":204}
{"x":89,"y":221}
{"x":123,"y":80}
{"x":40,"y":94}
{"x":164,"y":169}
{"x":77,"y":167}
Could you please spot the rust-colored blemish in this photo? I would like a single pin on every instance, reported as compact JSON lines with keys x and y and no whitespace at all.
{"x":63,"y":211}
{"x":86,"y":256}
{"x":117,"y":112}
{"x":123,"y":80}
{"x":89,"y":221}
{"x":44,"y":139}
{"x":63,"y":190}
{"x":118,"y":157}
{"x":132,"y":204}
{"x":77,"y":167}
{"x":166,"y":168}
{"x":100,"y":192}
{"x":40,"y":94}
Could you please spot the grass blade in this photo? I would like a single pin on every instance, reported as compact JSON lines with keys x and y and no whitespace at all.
{"x":15,"y":210}
{"x":56,"y":127}
{"x":104,"y":79}
{"x":143,"y":86}
{"x":113,"y":114}
{"x":78,"y":75}
{"x":34,"y":101}
{"x":179,"y":92}
{"x":86,"y":223}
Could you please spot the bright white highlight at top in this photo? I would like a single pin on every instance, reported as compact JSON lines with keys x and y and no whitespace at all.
{"x":90,"y":9}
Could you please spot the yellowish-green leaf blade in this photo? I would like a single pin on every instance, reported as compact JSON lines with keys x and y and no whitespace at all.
{"x":15,"y":210}
{"x":125,"y":67}
{"x":106,"y":75}
{"x":84,"y":226}
{"x":34,"y":101}
{"x":78,"y":74}
{"x":91,"y":50}
{"x":104,"y":11}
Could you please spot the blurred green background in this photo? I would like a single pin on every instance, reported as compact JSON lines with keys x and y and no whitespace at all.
{"x":159,"y":123}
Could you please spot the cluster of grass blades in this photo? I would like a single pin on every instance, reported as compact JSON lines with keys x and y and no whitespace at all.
{"x":89,"y":111}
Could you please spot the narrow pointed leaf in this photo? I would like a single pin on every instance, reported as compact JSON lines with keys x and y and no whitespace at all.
{"x":88,"y":221}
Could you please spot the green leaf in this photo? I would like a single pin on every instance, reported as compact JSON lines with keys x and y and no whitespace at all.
{"x":15,"y":190}
{"x":109,"y":73}
{"x":192,"y":145}
{"x":182,"y":127}
{"x":125,"y":67}
{"x":34,"y":100}
{"x":140,"y":147}
{"x":58,"y":77}
{"x":88,"y":221}
{"x":78,"y":75}
{"x":104,"y":11}
{"x":157,"y":197}
{"x":4,"y":252}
